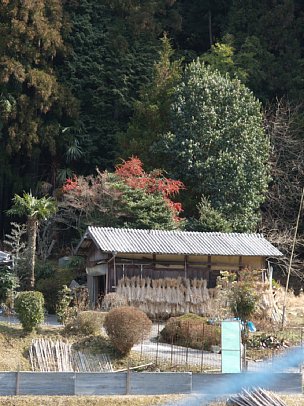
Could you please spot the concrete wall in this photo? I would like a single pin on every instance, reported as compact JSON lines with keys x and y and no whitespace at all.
{"x":69,"y":383}
{"x":144,"y":383}
{"x":227,"y":383}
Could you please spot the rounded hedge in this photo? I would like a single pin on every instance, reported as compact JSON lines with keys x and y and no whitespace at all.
{"x":192,"y":331}
{"x":126,"y":326}
{"x":29,"y":307}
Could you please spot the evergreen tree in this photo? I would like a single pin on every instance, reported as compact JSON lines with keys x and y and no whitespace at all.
{"x":268,"y":36}
{"x":151,"y":116}
{"x":217,"y":145}
{"x":33,"y":102}
{"x":114,"y":46}
{"x":202,"y":24}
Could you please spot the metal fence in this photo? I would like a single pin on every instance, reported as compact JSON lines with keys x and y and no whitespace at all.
{"x":202,"y":353}
{"x":194,"y":351}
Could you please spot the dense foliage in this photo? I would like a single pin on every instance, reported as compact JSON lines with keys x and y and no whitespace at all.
{"x":217,"y":145}
{"x":241,"y":291}
{"x":85,"y":83}
{"x":129,"y":197}
{"x":8,"y":285}
{"x":34,"y":104}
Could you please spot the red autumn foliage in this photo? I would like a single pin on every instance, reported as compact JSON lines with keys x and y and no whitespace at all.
{"x":133,"y":174}
{"x":70,"y":184}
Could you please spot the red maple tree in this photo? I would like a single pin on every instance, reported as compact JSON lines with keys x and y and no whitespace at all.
{"x":130,"y":172}
{"x":133,"y":174}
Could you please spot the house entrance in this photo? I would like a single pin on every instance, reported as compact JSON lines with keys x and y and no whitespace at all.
{"x":99,"y":283}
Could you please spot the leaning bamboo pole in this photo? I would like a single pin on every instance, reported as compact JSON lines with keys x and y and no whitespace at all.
{"x":48,"y":356}
{"x":291,"y":258}
{"x":258,"y":397}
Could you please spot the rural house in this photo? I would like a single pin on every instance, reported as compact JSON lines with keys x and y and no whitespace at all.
{"x":115,"y":254}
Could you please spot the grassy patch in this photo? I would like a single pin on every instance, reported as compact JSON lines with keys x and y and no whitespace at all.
{"x":85,"y":400}
{"x":14,"y":345}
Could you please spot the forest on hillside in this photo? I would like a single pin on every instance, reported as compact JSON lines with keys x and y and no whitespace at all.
{"x":174,"y":114}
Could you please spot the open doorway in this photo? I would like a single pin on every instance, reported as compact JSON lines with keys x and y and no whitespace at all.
{"x":99,"y":289}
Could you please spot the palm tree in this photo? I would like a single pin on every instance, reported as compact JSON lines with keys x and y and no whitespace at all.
{"x":35,"y":209}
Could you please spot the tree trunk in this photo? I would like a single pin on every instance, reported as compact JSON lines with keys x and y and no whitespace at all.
{"x":32,"y":226}
{"x":210,"y":27}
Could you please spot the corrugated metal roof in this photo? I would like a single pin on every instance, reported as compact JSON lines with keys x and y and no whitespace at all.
{"x":125,"y":240}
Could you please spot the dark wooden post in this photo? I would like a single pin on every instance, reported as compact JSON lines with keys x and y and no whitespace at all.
{"x":240,"y":263}
{"x":114,"y":273}
{"x":209,"y":270}
{"x":153,"y":262}
{"x":109,"y":277}
{"x":186,"y":266}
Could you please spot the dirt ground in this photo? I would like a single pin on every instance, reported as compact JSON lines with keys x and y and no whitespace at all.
{"x":113,"y":400}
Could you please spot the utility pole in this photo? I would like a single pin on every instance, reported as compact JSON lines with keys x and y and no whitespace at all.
{"x":291,"y":258}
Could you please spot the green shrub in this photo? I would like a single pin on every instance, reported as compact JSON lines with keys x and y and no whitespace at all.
{"x":243,"y":300}
{"x":126,"y":326}
{"x":29,"y":307}
{"x":50,"y":286}
{"x":192,"y":331}
{"x":86,"y":323}
{"x":8,"y":284}
{"x":44,"y":269}
{"x":62,"y":307}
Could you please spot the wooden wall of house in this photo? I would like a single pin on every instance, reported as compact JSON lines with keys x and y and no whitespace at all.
{"x":169,"y":266}
{"x":96,"y":255}
{"x":174,"y":266}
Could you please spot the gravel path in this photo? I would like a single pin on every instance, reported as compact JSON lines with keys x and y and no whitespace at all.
{"x":49,"y":320}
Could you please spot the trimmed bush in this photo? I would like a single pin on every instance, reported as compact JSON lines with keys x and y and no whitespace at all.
{"x":86,"y":323}
{"x":29,"y":307}
{"x":112,"y":300}
{"x":126,"y":326}
{"x":192,"y":331}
